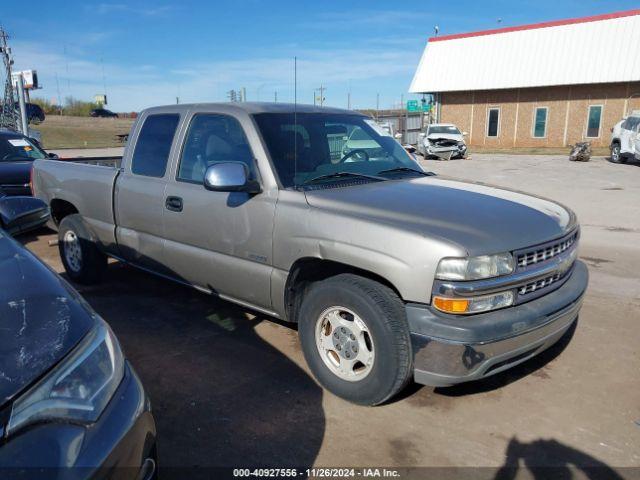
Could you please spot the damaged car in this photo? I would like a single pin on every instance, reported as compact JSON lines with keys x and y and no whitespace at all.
{"x":70,"y":402}
{"x":442,"y":140}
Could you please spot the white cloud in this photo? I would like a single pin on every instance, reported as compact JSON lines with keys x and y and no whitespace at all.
{"x":108,"y":8}
{"x":144,"y":85}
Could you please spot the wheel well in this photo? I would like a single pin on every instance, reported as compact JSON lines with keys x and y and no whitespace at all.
{"x":60,"y":209}
{"x":306,"y":271}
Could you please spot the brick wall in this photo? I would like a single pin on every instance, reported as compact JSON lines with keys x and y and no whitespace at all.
{"x":567,"y":111}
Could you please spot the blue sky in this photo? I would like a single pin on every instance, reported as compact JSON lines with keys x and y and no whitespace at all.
{"x":153,"y":51}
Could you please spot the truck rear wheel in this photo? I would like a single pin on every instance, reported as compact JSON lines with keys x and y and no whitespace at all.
{"x":355,"y":338}
{"x":82,"y":260}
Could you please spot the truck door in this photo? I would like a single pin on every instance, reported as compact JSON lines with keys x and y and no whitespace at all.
{"x":139,"y":192}
{"x":219,"y":241}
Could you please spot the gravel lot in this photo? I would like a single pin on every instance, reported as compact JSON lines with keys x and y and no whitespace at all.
{"x":229,"y":388}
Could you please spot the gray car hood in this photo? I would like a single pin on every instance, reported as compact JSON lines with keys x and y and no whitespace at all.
{"x":477,"y":218}
{"x":41,"y":319}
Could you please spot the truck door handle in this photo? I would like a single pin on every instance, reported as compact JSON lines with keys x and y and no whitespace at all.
{"x":174,"y":204}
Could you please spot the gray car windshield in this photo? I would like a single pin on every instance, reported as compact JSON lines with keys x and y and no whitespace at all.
{"x":331,"y":148}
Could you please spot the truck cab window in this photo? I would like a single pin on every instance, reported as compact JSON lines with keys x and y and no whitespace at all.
{"x":213,"y":138}
{"x":154,"y":144}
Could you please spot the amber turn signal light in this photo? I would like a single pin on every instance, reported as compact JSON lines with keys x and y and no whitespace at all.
{"x":451,"y":305}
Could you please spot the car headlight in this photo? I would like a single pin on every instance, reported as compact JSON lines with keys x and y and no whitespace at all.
{"x":475,"y":268}
{"x":77,"y":389}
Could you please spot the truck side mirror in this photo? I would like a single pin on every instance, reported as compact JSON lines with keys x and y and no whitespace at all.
{"x":230,"y":177}
{"x":398,"y":136}
{"x":52,"y":155}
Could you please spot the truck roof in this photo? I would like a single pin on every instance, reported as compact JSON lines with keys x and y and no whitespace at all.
{"x":254,"y":107}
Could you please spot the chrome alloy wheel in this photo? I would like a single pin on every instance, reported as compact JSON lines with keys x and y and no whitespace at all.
{"x":615,"y":153}
{"x":344,"y":343}
{"x":72,"y":251}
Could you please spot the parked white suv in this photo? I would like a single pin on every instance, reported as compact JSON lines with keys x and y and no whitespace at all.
{"x":625,"y":139}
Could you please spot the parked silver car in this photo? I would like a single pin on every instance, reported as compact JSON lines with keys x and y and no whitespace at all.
{"x":390,"y":272}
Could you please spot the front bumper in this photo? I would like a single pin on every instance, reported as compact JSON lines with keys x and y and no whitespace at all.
{"x":120,"y":445}
{"x":449,"y":349}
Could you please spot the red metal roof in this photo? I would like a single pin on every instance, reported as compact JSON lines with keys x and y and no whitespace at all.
{"x":533,"y":26}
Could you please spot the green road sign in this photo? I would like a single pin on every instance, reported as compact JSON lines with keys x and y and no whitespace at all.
{"x":412,"y":105}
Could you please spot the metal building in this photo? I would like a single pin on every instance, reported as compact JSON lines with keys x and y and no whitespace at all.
{"x":540,"y":85}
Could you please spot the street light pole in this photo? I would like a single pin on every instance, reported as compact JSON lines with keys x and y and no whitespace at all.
{"x":23,"y":107}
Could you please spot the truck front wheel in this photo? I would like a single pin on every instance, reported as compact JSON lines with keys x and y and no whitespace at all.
{"x":82,"y":260}
{"x":355,"y":338}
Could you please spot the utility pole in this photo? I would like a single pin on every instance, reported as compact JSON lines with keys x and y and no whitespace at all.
{"x":377,"y":105}
{"x":321,"y":98}
{"x":275,"y":97}
{"x":9,"y":116}
{"x":24,"y":124}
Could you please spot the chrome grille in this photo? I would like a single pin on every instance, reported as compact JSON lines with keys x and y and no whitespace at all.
{"x":545,"y":252}
{"x":539,"y":284}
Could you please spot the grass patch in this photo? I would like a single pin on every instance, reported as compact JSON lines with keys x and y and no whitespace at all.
{"x":82,"y":132}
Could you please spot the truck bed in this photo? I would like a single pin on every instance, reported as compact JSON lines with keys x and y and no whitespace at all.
{"x":83,"y":184}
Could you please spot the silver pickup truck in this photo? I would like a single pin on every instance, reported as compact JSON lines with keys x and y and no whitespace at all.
{"x":390,"y":272}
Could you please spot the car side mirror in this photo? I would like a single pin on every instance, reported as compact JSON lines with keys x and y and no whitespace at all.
{"x":464,"y":134}
{"x":230,"y":177}
{"x":422,"y":135}
{"x":52,"y":155}
{"x":398,"y":136}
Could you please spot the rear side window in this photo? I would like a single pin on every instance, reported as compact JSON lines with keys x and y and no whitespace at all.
{"x":154,"y":144}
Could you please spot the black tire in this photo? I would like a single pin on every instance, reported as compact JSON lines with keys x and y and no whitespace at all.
{"x":616,"y":156}
{"x":92,"y":263}
{"x":383,"y":313}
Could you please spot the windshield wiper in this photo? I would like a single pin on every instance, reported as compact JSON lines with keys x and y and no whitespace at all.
{"x":406,"y":169}
{"x":329,"y":176}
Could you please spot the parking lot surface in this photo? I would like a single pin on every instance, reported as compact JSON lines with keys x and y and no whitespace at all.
{"x":230,"y":387}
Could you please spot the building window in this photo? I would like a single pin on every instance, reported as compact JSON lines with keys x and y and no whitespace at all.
{"x":493,"y":122}
{"x":593,"y":121}
{"x":540,"y":122}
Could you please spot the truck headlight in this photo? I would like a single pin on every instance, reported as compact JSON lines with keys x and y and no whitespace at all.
{"x":78,"y":388}
{"x":480,"y":304}
{"x":475,"y":268}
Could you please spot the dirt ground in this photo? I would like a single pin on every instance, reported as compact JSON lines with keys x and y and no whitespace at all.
{"x":230,"y":388}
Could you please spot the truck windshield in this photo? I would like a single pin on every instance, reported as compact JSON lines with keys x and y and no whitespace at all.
{"x":314,"y":145}
{"x":14,"y":149}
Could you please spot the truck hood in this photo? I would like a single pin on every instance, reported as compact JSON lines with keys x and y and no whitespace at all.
{"x":477,"y":218}
{"x":41,"y":319}
{"x":15,"y":173}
